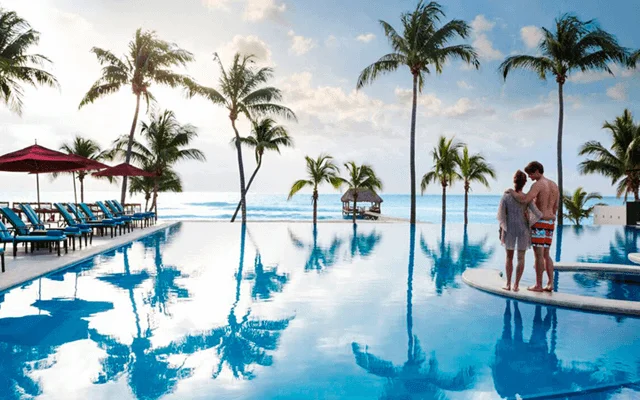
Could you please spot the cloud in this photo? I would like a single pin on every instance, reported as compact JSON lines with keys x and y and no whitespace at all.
{"x":299,"y":44}
{"x":617,"y":92}
{"x":432,"y":106}
{"x":465,"y":107}
{"x":535,"y":112}
{"x":365,"y":37}
{"x":217,"y":4}
{"x":485,"y":48}
{"x":531,"y":35}
{"x":464,"y":85}
{"x":595,"y":76}
{"x":258,"y":10}
{"x":247,"y":45}
{"x":331,"y":41}
{"x":481,"y":24}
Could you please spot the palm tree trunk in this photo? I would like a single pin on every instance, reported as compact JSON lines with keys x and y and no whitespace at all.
{"x":315,"y":206}
{"x":412,"y":151}
{"x":123,"y":194}
{"x":243,"y":192}
{"x":81,"y":179}
{"x":147,"y":196}
{"x":248,"y":186}
{"x":560,"y":121}
{"x":154,"y":205}
{"x":444,"y":204}
{"x":412,"y":245}
{"x":355,"y":203}
{"x":466,"y":203}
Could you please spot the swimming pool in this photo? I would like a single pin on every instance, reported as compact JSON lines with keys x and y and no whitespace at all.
{"x":283,"y":311}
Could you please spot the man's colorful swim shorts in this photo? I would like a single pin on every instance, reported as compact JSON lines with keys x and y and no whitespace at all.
{"x":542,"y":233}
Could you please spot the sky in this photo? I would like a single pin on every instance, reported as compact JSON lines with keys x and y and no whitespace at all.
{"x":317,"y":50}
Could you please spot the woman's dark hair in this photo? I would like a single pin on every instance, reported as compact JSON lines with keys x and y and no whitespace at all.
{"x":519,"y":179}
{"x":533,"y":167}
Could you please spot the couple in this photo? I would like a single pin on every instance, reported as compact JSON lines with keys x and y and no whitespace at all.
{"x":529,"y":220}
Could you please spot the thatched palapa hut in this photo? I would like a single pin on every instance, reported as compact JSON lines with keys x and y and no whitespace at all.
{"x":364,"y":196}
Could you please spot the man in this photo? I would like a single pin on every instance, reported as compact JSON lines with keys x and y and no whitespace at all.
{"x":546,"y":196}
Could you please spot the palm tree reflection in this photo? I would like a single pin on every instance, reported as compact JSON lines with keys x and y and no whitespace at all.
{"x":319,"y":257}
{"x":450,"y":260}
{"x":363,"y":244}
{"x":265,"y":280}
{"x":417,"y":377}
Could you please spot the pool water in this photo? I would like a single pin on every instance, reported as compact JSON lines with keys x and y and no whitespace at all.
{"x":285,"y":311}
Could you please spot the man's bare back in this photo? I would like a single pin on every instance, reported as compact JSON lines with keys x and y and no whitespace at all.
{"x":547,"y":197}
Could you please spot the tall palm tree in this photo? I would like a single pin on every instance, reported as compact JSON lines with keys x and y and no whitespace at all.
{"x":265,"y":135}
{"x":243,"y":90}
{"x":320,"y":170}
{"x":87,"y":148}
{"x":149,"y":60}
{"x":18,"y":67}
{"x":446,"y":158}
{"x":575,"y":45}
{"x":169,"y":182}
{"x":576,"y":205}
{"x":360,"y":177}
{"x":473,"y":169}
{"x":166,"y":141}
{"x":423,"y":47}
{"x":622,"y":162}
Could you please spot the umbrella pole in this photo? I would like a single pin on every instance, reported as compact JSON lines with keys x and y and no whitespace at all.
{"x":38,"y":188}
{"x":75,"y":194}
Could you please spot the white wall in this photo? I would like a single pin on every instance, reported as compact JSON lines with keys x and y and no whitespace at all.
{"x":610,"y":215}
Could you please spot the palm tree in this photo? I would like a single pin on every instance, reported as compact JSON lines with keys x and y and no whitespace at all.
{"x":446,"y":159}
{"x":166,"y":140}
{"x":87,"y":148}
{"x":361,"y":177}
{"x":575,"y":45}
{"x":149,"y":60}
{"x":169,"y":182}
{"x":265,"y":135}
{"x":320,"y":170}
{"x":243,"y":91}
{"x":18,"y":67}
{"x":473,"y":169}
{"x":622,"y":163}
{"x":576,"y":205}
{"x":423,"y":47}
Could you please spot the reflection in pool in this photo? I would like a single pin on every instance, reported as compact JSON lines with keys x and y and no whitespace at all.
{"x":292,"y":311}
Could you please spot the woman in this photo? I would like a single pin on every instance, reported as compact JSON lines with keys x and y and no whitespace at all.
{"x":515,"y":233}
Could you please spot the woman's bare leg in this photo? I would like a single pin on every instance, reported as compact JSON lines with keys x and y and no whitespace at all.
{"x":508,"y":266}
{"x":519,"y":270}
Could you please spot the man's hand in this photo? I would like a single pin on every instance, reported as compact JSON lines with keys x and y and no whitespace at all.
{"x":520,"y":197}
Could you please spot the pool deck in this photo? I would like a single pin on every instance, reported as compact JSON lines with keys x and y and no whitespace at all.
{"x":490,"y":280}
{"x":28,"y":266}
{"x":596,"y":267}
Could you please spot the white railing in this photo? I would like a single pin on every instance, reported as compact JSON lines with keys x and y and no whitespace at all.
{"x":610,"y":215}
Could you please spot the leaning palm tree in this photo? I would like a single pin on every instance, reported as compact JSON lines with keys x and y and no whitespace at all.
{"x":87,"y":148}
{"x":423,"y":47}
{"x":320,"y":170}
{"x":166,"y":145}
{"x":576,"y":205}
{"x":359,"y":178}
{"x":473,"y":169}
{"x":243,"y":91}
{"x":17,"y":66}
{"x":446,"y":159}
{"x":575,"y":45}
{"x":265,"y":135}
{"x":622,"y":163}
{"x":149,"y":60}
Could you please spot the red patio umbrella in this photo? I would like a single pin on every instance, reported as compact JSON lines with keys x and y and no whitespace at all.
{"x":124,"y":169}
{"x":37,"y":159}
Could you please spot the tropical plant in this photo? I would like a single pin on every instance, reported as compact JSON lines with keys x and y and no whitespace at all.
{"x":150,"y":60}
{"x":87,"y":148}
{"x":18,"y":67}
{"x":575,"y":45}
{"x":320,"y":170}
{"x":423,"y":47}
{"x":622,"y":163}
{"x":576,"y":205}
{"x":473,"y":169}
{"x":446,"y":158}
{"x":265,"y":135}
{"x":243,"y":91}
{"x":359,"y":178}
{"x":166,"y":140}
{"x":169,"y":182}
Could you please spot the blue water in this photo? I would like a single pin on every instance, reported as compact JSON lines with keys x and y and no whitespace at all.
{"x":283,"y":311}
{"x":209,"y":205}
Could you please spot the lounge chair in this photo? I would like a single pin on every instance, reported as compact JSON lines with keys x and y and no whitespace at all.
{"x":37,"y":224}
{"x":84,"y":229}
{"x":2,"y":258}
{"x":136,"y":217}
{"x":91,"y":217}
{"x":50,"y":238}
{"x":108,"y":214}
{"x":93,"y":224}
{"x":149,"y":216}
{"x":23,"y":229}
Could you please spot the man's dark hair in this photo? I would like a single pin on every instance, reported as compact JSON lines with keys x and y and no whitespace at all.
{"x":533,"y":167}
{"x":519,"y":179}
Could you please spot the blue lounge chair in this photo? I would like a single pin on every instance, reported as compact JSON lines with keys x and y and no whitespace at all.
{"x":50,"y":238}
{"x":23,"y":229}
{"x":37,"y":224}
{"x":91,"y":217}
{"x":135,"y":217}
{"x":108,"y":214}
{"x":101,"y":225}
{"x":85,"y":230}
{"x":148,"y":215}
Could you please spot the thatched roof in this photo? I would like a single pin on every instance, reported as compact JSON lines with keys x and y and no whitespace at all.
{"x":366,"y":196}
